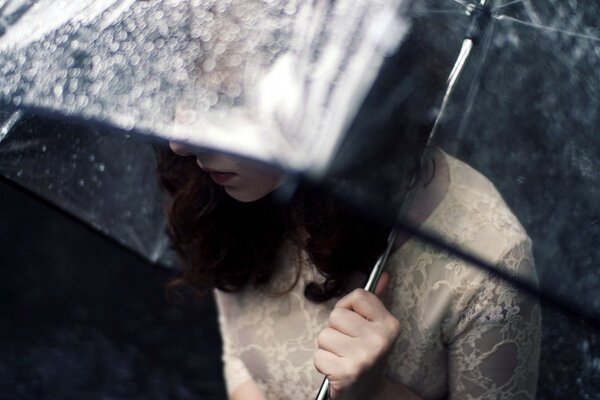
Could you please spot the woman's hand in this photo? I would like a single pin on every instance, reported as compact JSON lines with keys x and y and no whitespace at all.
{"x":354,"y":345}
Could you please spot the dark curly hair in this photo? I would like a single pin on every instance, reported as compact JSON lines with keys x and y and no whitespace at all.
{"x":227,"y":244}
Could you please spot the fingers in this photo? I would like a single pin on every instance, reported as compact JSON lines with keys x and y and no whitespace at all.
{"x":384,"y":279}
{"x":359,"y":334}
{"x":327,"y":363}
{"x":336,"y":342}
{"x":366,"y":304}
{"x":346,"y":321}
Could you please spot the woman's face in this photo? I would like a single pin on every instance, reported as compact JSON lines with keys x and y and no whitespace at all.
{"x":243,"y":180}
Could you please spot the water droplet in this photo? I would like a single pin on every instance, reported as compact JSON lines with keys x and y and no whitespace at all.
{"x":92,"y":158}
{"x":209,"y":64}
{"x":290,"y":9}
{"x":101,"y":167}
{"x":220,"y":48}
{"x":212,"y":98}
{"x":81,"y":183}
{"x":44,"y":148}
{"x":58,"y":90}
{"x":19,"y":173}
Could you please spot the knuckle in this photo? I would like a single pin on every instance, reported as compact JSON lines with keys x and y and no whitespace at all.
{"x":362,"y":294}
{"x":336,"y":316}
{"x":317,"y":360}
{"x":319,"y":356}
{"x":322,"y":337}
{"x":395,"y":326}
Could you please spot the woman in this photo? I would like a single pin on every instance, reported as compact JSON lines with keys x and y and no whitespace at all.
{"x":286,"y":282}
{"x":288,"y":277}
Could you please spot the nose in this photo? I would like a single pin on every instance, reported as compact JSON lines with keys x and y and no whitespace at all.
{"x":180,"y":149}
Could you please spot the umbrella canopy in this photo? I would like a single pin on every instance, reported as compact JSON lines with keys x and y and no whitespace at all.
{"x":104,"y":179}
{"x":275,"y":81}
{"x":322,"y":87}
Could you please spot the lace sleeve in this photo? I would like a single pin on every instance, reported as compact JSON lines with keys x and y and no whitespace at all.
{"x":234,"y":370}
{"x":494,"y":352}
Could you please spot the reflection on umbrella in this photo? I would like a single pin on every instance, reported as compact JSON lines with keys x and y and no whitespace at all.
{"x":531,"y":86}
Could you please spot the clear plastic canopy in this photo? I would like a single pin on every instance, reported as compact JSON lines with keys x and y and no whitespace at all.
{"x":312,"y":87}
{"x":274,"y":81}
{"x":277,"y":81}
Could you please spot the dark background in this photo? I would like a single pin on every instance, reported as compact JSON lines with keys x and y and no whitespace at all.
{"x":81,"y":318}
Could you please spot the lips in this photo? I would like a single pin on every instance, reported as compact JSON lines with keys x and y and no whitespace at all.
{"x":221,"y":178}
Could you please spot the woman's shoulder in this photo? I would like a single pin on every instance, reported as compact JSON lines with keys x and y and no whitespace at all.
{"x":474,"y":215}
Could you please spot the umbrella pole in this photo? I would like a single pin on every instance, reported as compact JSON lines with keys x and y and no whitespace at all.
{"x":480,"y":15}
{"x":323,"y":393}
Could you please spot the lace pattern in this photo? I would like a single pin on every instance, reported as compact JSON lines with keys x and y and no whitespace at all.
{"x":465,"y":334}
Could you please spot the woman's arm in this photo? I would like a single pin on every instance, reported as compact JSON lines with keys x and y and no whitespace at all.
{"x":494,"y":351}
{"x":238,"y":382}
{"x":247,"y":391}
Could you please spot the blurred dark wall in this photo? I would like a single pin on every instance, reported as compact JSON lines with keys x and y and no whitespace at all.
{"x":81,"y":318}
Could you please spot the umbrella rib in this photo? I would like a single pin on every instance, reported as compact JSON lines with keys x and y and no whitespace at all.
{"x":11,"y":18}
{"x":464,"y":3}
{"x":465,"y":51}
{"x":473,"y":87}
{"x":9,"y":124}
{"x":440,"y":11}
{"x":544,"y":27}
{"x":510,"y":3}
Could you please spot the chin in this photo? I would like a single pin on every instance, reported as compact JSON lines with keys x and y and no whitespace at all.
{"x":243,"y":197}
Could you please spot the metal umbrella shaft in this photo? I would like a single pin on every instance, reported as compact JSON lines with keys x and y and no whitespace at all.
{"x":370,"y":287}
{"x":480,"y":15}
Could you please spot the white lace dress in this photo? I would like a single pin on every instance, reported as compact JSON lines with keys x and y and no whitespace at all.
{"x":464,"y":335}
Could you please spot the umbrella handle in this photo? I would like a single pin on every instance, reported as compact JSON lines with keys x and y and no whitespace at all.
{"x":374,"y":276}
{"x":323,"y":393}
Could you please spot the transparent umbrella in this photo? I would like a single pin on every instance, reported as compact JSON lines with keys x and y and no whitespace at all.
{"x":277,"y":82}
{"x":315,"y":88}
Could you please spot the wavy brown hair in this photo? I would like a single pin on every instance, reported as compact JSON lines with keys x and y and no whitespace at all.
{"x":227,"y":244}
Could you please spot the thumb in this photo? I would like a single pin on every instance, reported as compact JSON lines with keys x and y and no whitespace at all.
{"x":384,"y":279}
